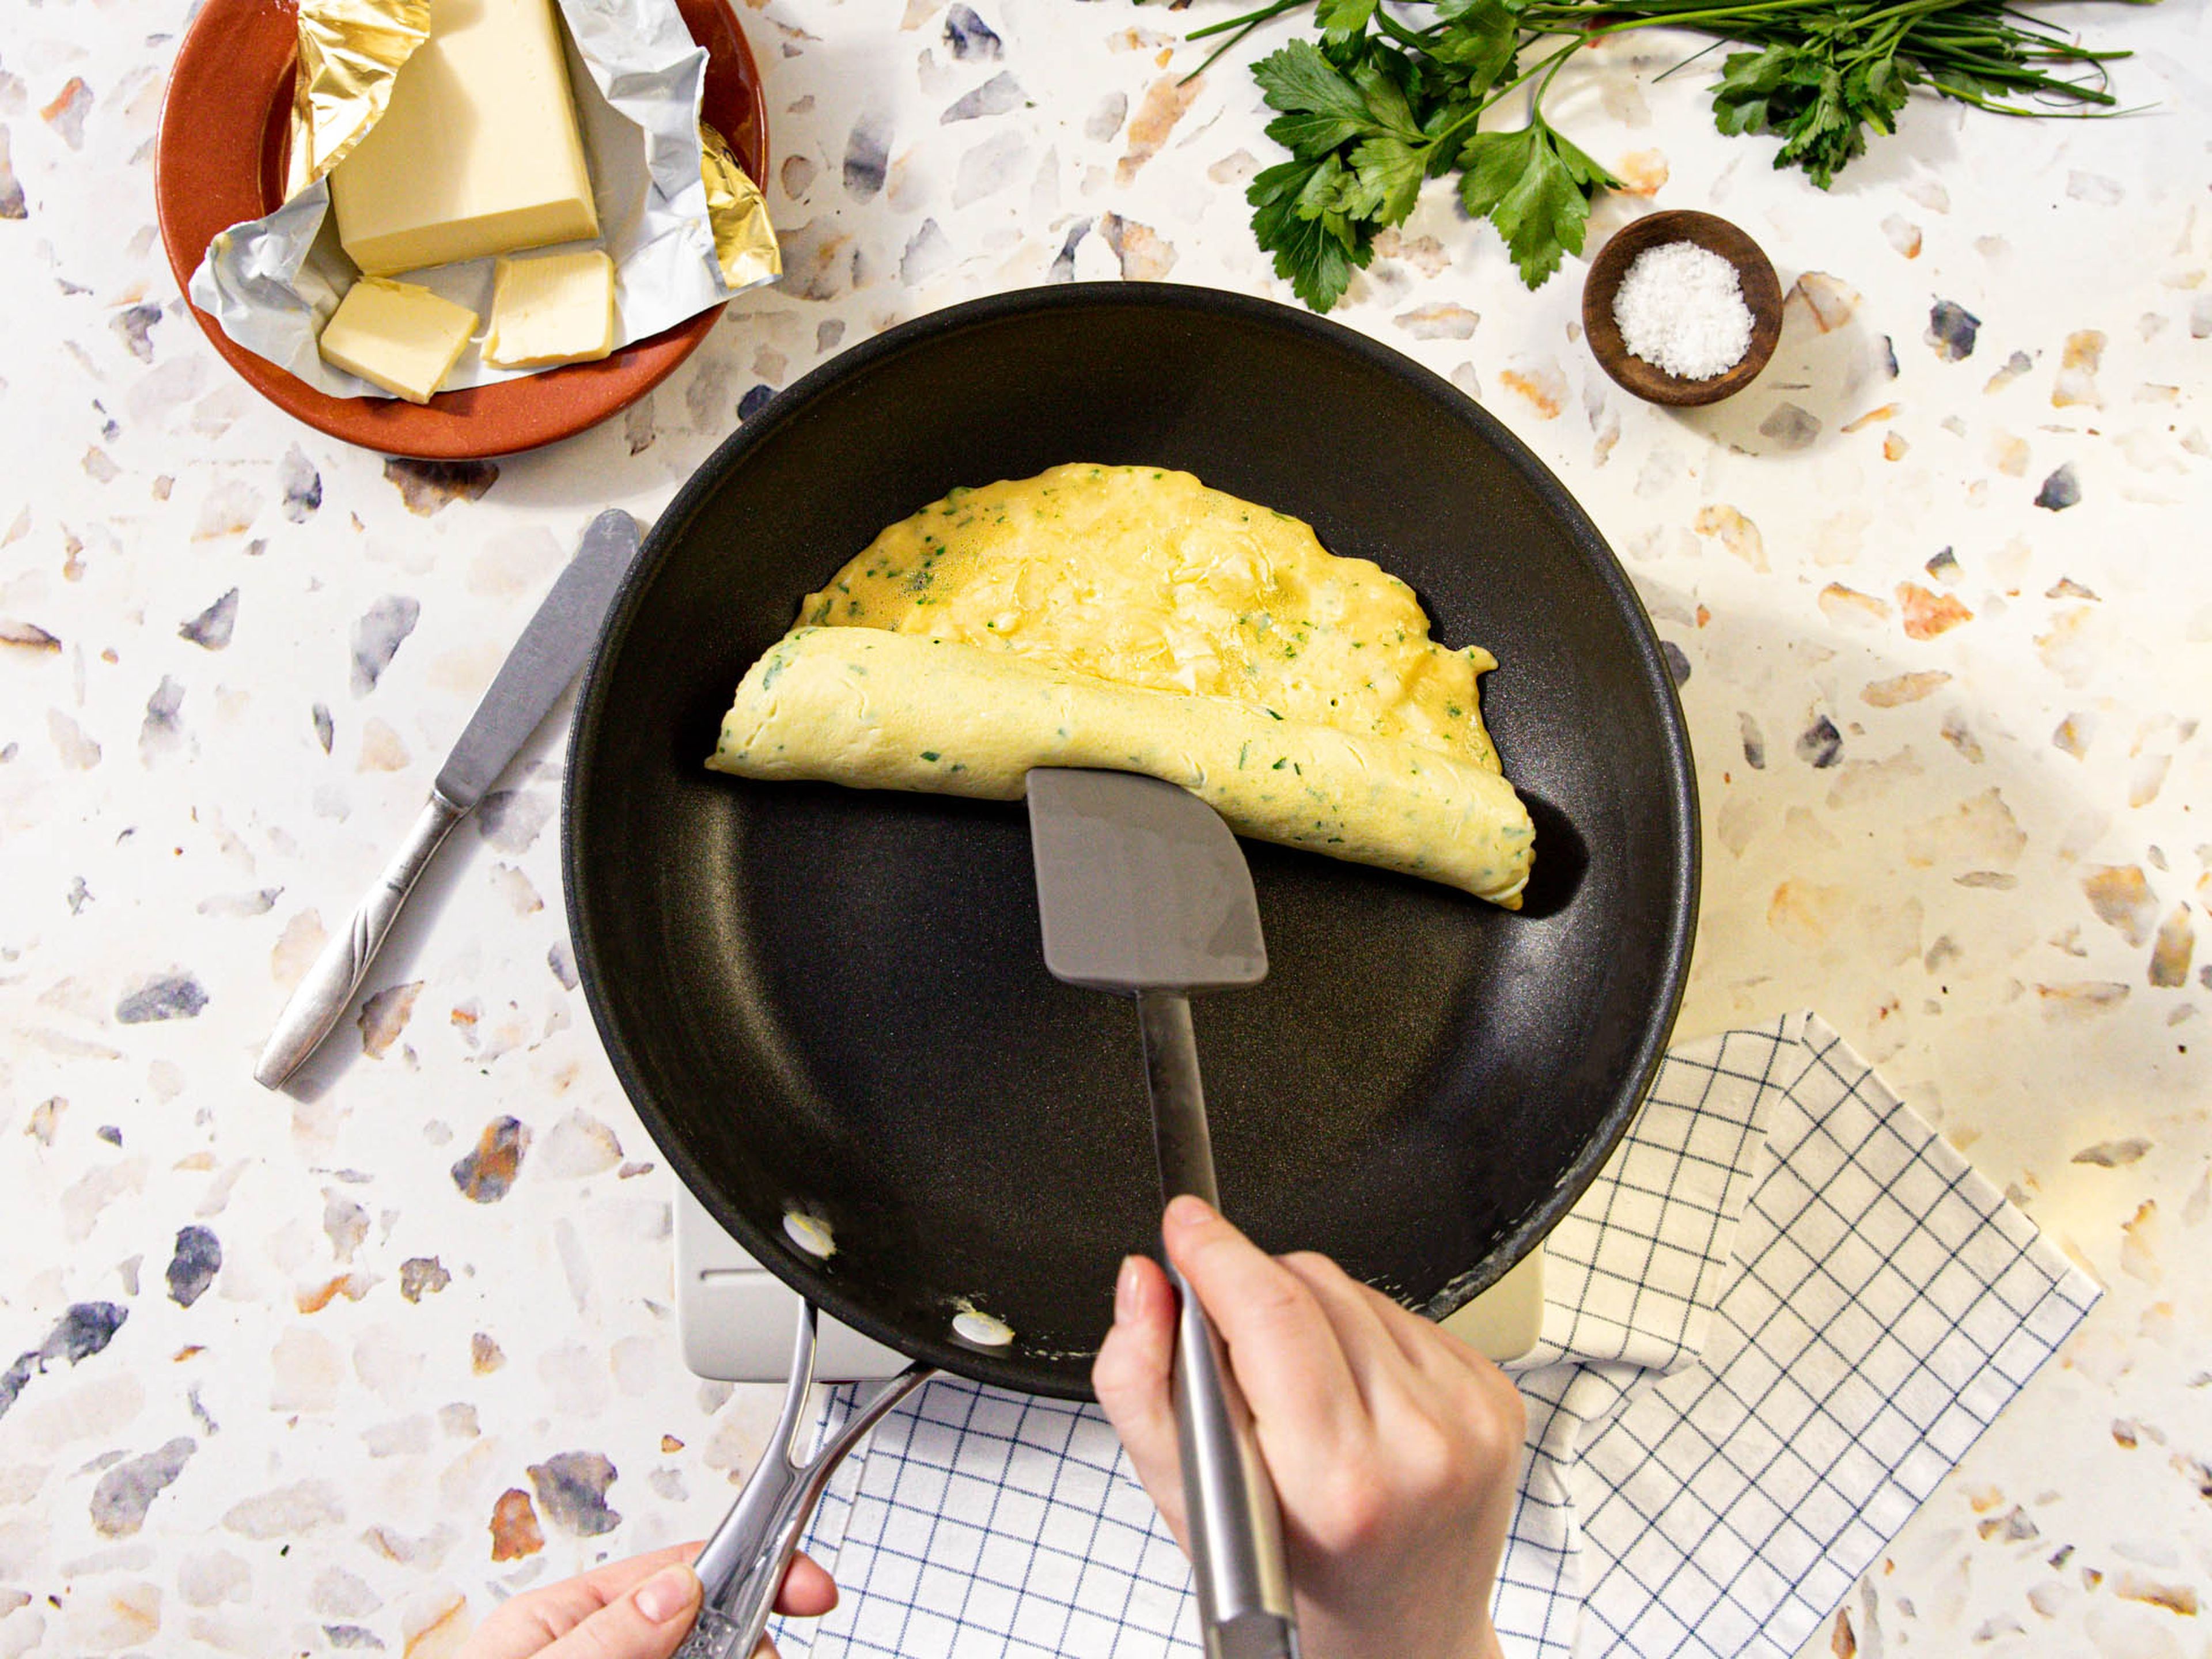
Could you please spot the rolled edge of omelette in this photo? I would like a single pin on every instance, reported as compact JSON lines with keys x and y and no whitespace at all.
{"x":871,"y":709}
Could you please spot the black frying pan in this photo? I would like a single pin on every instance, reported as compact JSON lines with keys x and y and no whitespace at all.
{"x":837,"y":1000}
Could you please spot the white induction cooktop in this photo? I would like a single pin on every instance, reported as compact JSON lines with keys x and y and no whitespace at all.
{"x":737,"y":1319}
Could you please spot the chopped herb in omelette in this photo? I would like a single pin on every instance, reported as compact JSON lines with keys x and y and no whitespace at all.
{"x":1146,"y":577}
{"x":1133,"y":618}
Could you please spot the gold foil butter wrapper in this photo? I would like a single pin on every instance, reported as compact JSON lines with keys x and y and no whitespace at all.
{"x":686,"y":231}
{"x":744,"y":242}
{"x":349,"y":53}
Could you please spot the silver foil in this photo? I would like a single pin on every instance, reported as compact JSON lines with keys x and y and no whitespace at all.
{"x":637,"y":76}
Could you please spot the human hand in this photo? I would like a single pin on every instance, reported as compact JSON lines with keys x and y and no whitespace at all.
{"x":1393,"y":1448}
{"x":641,"y":1608}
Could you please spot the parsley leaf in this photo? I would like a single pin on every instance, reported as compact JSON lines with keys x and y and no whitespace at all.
{"x":1298,"y":215}
{"x":1821,"y":95}
{"x":1391,"y":170}
{"x":1744,"y":98}
{"x":1299,"y":81}
{"x":1587,"y":172}
{"x":1380,"y":81}
{"x":1536,"y":187}
{"x":1340,"y":20}
{"x":1359,"y":154}
{"x":1478,"y":38}
{"x":1311,"y":135}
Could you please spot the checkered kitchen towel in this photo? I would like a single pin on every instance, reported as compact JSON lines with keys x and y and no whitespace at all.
{"x":1784,"y":1309}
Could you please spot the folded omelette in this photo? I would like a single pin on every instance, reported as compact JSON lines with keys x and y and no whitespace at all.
{"x":1132,"y":619}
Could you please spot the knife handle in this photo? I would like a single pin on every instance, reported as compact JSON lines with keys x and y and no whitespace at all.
{"x":1236,"y":1525}
{"x":339,"y":970}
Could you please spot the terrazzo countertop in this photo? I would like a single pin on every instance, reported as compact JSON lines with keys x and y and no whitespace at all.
{"x":335,"y":1371}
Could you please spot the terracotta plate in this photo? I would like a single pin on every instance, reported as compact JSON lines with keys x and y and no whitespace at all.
{"x":220,"y":160}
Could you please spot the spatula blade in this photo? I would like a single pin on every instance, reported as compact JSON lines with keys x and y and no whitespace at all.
{"x":1141,"y":885}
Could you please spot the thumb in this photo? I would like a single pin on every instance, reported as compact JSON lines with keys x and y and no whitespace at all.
{"x":649,"y":1623}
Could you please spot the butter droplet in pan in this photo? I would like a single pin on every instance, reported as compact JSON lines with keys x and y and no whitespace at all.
{"x":970,"y":1325}
{"x":811,"y":1235}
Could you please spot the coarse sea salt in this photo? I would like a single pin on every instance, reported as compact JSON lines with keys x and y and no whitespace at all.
{"x":1681,"y":308}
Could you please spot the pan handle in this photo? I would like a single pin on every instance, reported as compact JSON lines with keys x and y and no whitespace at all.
{"x":1244,"y":1604}
{"x":743,"y":1565}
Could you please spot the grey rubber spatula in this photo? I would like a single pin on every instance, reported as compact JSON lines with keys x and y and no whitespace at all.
{"x":1142,"y":890}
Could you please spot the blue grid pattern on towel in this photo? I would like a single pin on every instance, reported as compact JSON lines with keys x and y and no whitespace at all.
{"x":1783,"y":1311}
{"x":985,"y":1522}
{"x":1633,"y":1278}
{"x":1874,"y":1324}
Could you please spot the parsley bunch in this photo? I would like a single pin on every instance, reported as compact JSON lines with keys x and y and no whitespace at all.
{"x":1380,"y":104}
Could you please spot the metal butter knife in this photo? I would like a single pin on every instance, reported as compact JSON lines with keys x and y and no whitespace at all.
{"x":545,"y":659}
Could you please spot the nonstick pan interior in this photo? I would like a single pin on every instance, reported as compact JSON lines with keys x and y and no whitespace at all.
{"x":834,"y":1002}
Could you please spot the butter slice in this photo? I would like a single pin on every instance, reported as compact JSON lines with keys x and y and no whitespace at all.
{"x":397,"y":336}
{"x":556,"y":308}
{"x":478,"y":151}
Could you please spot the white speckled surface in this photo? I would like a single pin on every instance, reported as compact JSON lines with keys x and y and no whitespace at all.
{"x":1957,"y":803}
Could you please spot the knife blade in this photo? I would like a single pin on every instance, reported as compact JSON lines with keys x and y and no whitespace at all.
{"x":552,"y":650}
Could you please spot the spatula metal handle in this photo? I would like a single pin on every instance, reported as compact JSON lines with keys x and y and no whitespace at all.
{"x":1235,"y":1526}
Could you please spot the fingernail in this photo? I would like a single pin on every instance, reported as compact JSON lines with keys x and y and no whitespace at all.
{"x":1187,"y":1211}
{"x":669,"y":1592}
{"x":1128,"y":1292}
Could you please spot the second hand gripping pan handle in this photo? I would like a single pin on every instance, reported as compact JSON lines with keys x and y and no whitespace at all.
{"x":741,"y":1569}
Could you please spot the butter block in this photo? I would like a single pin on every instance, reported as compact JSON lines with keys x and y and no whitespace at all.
{"x":397,"y":336}
{"x":556,"y":308}
{"x":478,"y":152}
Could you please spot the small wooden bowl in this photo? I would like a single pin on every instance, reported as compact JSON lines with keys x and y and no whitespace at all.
{"x":1762,"y":292}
